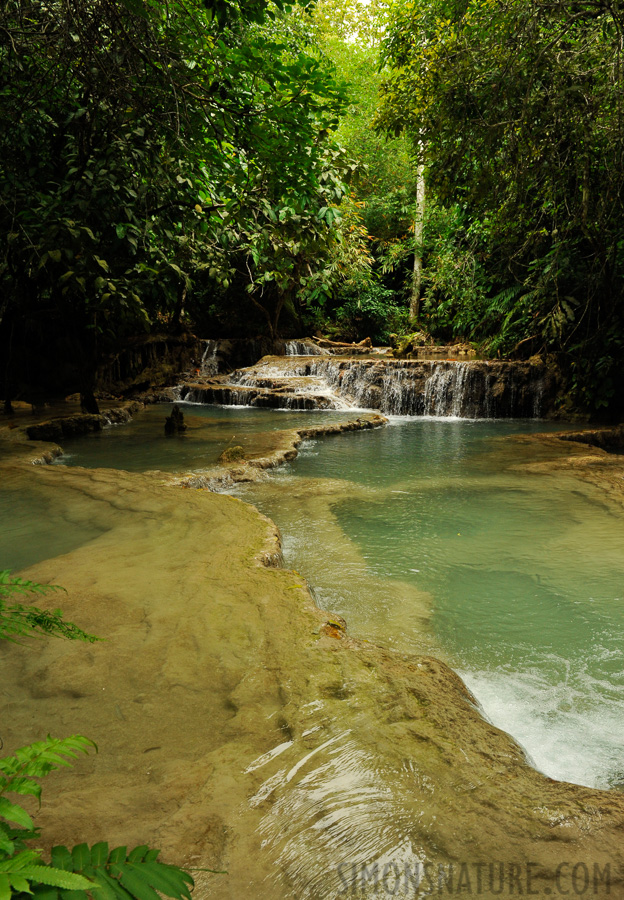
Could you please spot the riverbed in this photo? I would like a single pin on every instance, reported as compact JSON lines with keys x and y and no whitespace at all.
{"x":242,"y":728}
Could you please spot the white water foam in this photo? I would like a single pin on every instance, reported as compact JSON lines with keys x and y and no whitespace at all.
{"x":571,"y":730}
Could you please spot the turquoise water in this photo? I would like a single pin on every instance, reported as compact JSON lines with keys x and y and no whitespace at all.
{"x":142,"y":444}
{"x":437,"y":535}
{"x":32,"y":528}
{"x":523,"y":571}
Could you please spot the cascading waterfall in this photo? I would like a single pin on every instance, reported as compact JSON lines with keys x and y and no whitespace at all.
{"x":447,"y":388}
{"x":209,"y":361}
{"x":303,"y":348}
{"x":445,"y":391}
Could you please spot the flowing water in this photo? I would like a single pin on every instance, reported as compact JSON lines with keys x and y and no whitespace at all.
{"x":434,"y":535}
{"x":523,"y":574}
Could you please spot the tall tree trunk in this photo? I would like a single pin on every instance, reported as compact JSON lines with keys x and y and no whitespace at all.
{"x":418,"y":238}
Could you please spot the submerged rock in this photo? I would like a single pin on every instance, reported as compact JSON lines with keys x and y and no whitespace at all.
{"x":174,"y":424}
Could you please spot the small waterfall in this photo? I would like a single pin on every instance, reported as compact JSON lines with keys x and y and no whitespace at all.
{"x":401,"y":396}
{"x":303,"y":348}
{"x":209,"y":362}
{"x":394,"y":387}
{"x":445,"y":388}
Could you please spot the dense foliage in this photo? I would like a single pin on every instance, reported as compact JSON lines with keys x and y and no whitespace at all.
{"x":516,"y":108}
{"x":225,"y":164}
{"x":150,"y":150}
{"x":384,"y":190}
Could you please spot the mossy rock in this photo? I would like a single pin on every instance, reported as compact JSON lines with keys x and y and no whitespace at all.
{"x":232,"y":454}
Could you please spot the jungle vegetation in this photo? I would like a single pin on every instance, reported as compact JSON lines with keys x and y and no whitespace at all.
{"x":237,"y":167}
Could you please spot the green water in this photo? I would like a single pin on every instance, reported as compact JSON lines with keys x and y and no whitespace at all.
{"x":434,"y":535}
{"x":524,"y":574}
{"x":143,"y":445}
{"x":33,"y":528}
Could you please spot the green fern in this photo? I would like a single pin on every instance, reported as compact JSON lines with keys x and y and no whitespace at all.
{"x":81,"y":873}
{"x":116,"y":874}
{"x":18,"y":620}
{"x":504,"y":300}
{"x":23,"y":873}
{"x":75,"y":874}
{"x":17,"y":776}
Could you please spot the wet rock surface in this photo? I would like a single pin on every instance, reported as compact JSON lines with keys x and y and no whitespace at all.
{"x":609,"y":439}
{"x":241,"y":728}
{"x":471,"y":388}
{"x":63,"y":426}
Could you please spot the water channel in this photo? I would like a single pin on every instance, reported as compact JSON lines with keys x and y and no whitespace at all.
{"x":443,"y":536}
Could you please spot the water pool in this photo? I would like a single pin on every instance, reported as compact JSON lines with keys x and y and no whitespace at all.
{"x":142,"y":444}
{"x":442,"y":536}
{"x":522,"y":572}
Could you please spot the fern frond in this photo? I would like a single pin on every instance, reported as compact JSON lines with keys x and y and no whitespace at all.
{"x":10,"y":584}
{"x":17,"y":774}
{"x":21,"y":876}
{"x":119,"y":875}
{"x":12,"y":812}
{"x":17,"y":620}
{"x":503,"y":300}
{"x":38,"y":759}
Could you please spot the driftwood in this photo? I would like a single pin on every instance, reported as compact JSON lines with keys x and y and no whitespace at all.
{"x":323,"y":342}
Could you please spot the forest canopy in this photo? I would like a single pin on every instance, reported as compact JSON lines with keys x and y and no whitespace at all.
{"x":148,"y":149}
{"x":254,"y":166}
{"x":516,"y":110}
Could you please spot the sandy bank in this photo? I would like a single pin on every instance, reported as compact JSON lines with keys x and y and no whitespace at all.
{"x":240,"y":728}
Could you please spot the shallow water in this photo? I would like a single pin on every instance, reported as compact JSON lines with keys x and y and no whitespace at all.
{"x":33,"y":528}
{"x":523,"y":574}
{"x":143,"y":445}
{"x":430,"y":536}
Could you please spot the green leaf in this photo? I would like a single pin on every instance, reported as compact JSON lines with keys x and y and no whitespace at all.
{"x":118,"y":855}
{"x":119,"y":892}
{"x":136,"y":884}
{"x":50,"y":876}
{"x":99,"y":854}
{"x":170,"y":883}
{"x":5,"y":887}
{"x":62,"y":858}
{"x":81,"y":857}
{"x":14,"y":813}
{"x":104,"y":889}
{"x":19,"y":883}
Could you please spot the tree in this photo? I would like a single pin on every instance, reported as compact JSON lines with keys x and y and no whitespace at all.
{"x":385,"y":185}
{"x":521,"y":108}
{"x":142,"y":147}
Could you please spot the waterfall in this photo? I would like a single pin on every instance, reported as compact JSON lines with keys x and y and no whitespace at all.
{"x":209,"y":361}
{"x":303,"y":348}
{"x":443,"y":388}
